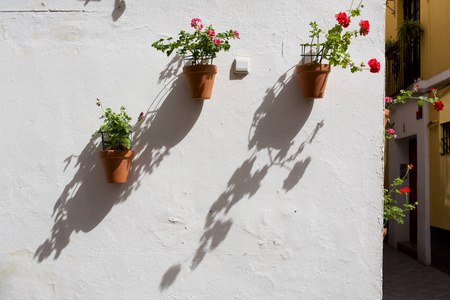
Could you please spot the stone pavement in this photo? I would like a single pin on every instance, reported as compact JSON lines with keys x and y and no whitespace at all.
{"x":405,"y":278}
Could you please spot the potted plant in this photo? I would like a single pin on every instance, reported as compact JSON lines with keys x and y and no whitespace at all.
{"x":408,"y":31}
{"x":387,"y":114}
{"x":313,"y":76}
{"x":392,"y":211}
{"x":116,"y":142}
{"x":199,"y":48}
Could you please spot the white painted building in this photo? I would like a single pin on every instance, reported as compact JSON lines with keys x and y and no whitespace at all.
{"x":411,"y":147}
{"x":254,"y":194}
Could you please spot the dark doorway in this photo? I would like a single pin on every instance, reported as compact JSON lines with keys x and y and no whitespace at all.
{"x":413,"y":188}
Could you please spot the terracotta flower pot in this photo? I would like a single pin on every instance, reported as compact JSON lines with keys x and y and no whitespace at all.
{"x":384,"y":232}
{"x":387,"y":114}
{"x":313,"y":79}
{"x":116,"y":164}
{"x":200,"y":80}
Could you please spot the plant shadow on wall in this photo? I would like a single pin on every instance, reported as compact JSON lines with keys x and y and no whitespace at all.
{"x":83,"y":204}
{"x":276,"y":123}
{"x":119,"y":8}
{"x":168,"y":121}
{"x":87,"y":199}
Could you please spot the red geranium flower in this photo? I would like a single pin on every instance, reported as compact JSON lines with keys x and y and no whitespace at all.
{"x":374,"y":65}
{"x":364,"y":27}
{"x":438,"y":106}
{"x":410,"y":166}
{"x":343,"y":19}
{"x":405,"y":190}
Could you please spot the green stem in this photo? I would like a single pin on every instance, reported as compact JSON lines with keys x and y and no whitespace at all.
{"x":359,"y":4}
{"x":352,"y":5}
{"x":395,"y":186}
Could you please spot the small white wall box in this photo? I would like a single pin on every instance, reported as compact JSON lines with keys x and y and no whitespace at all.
{"x":241,"y":65}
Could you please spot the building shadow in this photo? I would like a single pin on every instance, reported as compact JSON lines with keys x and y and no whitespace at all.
{"x":277,"y":121}
{"x":87,"y":198}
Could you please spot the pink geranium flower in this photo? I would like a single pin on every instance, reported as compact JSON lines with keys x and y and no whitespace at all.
{"x":203,"y":44}
{"x":197,"y":23}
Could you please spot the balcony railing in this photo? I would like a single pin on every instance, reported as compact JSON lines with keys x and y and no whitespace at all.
{"x":395,"y":70}
{"x":402,"y":67}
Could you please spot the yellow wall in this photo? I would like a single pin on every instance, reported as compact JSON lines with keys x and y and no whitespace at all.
{"x":435,"y":43}
{"x":435,"y":58}
{"x":393,"y":21}
{"x":435,"y":40}
{"x":439,"y":167}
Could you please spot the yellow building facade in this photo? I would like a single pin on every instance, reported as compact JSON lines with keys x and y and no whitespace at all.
{"x":433,"y":60}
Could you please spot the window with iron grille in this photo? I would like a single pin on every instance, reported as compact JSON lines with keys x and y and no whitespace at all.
{"x":445,"y":138}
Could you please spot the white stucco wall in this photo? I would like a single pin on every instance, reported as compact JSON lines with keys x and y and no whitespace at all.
{"x":254,"y":194}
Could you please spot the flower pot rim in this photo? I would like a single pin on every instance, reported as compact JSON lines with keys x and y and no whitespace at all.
{"x":200,"y":68}
{"x":313,"y":67}
{"x":113,"y":150}
{"x":313,"y":63}
{"x":116,"y":153}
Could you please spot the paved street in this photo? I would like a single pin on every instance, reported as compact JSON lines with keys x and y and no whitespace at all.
{"x":405,"y":278}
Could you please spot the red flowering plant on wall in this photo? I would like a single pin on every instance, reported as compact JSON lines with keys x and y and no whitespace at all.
{"x":337,"y":41}
{"x":391,"y":210}
{"x":421,"y":100}
{"x":200,"y":47}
